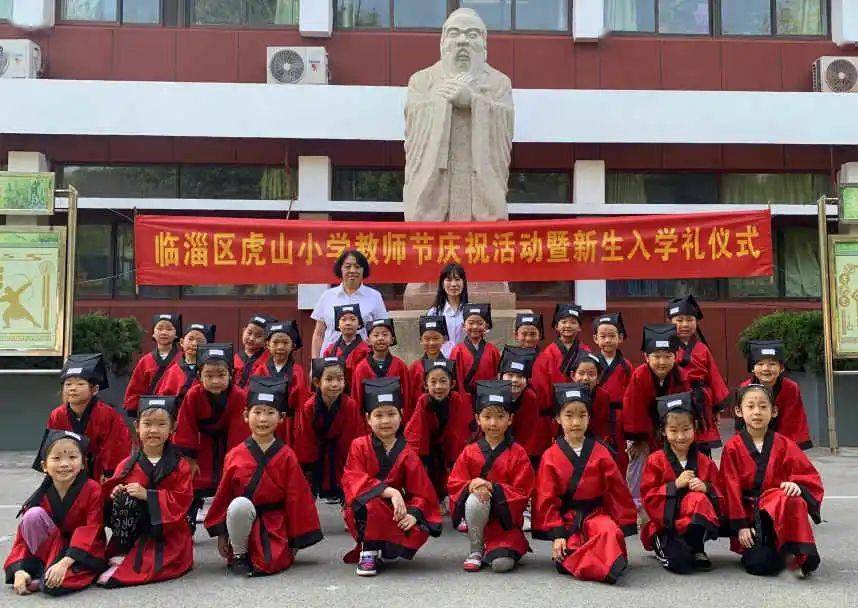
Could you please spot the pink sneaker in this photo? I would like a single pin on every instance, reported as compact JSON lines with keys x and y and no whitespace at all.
{"x":463,"y":526}
{"x":473,"y":563}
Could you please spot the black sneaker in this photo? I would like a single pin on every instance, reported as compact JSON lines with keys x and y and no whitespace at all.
{"x":240,"y":565}
{"x":702,"y":562}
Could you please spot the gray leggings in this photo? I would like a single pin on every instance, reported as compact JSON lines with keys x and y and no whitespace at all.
{"x":477,"y":516}
{"x":240,"y":516}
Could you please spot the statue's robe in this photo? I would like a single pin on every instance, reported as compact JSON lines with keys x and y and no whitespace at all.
{"x":457,"y":159}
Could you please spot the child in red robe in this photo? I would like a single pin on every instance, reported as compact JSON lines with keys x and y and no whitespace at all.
{"x":554,"y":363}
{"x":491,"y":483}
{"x":657,"y":377}
{"x":382,"y":364}
{"x":767,"y":363}
{"x":680,"y":492}
{"x":263,"y":512}
{"x":770,"y":489}
{"x":527,"y":330}
{"x":325,"y":426}
{"x":433,"y":335}
{"x":441,"y":425}
{"x":59,"y":546}
{"x":254,"y":351}
{"x":475,"y":358}
{"x":84,"y":413}
{"x":147,"y":503}
{"x":533,"y":425}
{"x":696,"y":360}
{"x":581,"y":502}
{"x":349,"y":347}
{"x":391,"y":507}
{"x":210,"y":421}
{"x":182,"y":375}
{"x":282,"y":340}
{"x":609,"y":331}
{"x":150,"y":369}
{"x":587,"y":370}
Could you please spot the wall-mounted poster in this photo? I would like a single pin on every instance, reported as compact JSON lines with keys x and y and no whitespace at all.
{"x":32,"y":282}
{"x":26,"y":193}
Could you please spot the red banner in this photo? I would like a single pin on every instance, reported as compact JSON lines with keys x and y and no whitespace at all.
{"x":171,"y":250}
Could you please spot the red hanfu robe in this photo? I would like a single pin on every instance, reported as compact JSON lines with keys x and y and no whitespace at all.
{"x":243,"y":364}
{"x":438,"y":431}
{"x":708,"y":385}
{"x":750,"y":478}
{"x":353,"y":353}
{"x":640,"y":416}
{"x":791,"y":420}
{"x":79,"y":535}
{"x":322,"y":438}
{"x":552,"y":366}
{"x":585,"y":500}
{"x":109,"y":438}
{"x":178,"y":380}
{"x":417,"y":380}
{"x":389,"y":368}
{"x":147,"y":377}
{"x":474,"y":363}
{"x":166,"y":550}
{"x":508,"y":468}
{"x":299,"y":392}
{"x":533,"y":424}
{"x":286,"y":520}
{"x":369,"y":517}
{"x":669,"y":507}
{"x":208,"y":427}
{"x":615,"y":378}
{"x":602,"y":425}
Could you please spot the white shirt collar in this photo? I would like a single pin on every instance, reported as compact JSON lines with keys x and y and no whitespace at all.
{"x":342,"y":290}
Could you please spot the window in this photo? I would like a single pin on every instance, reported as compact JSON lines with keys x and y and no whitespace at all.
{"x":245,"y":12}
{"x":188,"y":181}
{"x":363,"y":13}
{"x":770,"y":188}
{"x":125,"y":11}
{"x":671,"y":16}
{"x":5,"y":10}
{"x":539,"y":187}
{"x":367,"y":185}
{"x":419,"y":13}
{"x":706,"y":289}
{"x":736,"y":17}
{"x":94,"y":260}
{"x":234,"y":182}
{"x":546,"y":15}
{"x":707,"y":188}
{"x":800,"y":261}
{"x":691,"y":188}
{"x":143,"y":181}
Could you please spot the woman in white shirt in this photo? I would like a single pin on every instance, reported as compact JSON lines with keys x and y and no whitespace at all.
{"x":352,"y":268}
{"x":450,"y":300}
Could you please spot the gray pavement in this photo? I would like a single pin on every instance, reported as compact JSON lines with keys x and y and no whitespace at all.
{"x":435,"y":578}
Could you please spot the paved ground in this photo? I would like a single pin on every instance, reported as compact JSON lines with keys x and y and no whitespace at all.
{"x":436,"y":579}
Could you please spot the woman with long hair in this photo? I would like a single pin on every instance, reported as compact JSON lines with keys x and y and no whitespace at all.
{"x":450,"y":299}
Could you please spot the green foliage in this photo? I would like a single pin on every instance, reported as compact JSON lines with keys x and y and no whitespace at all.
{"x":802,"y":335}
{"x":117,"y":339}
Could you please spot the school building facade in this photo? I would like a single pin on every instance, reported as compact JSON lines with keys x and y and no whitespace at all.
{"x":622,"y":107}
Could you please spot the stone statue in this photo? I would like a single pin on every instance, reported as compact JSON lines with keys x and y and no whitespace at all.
{"x":458,"y":130}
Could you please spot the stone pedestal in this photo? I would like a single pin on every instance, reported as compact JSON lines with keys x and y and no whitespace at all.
{"x":407,"y":331}
{"x":421,"y":296}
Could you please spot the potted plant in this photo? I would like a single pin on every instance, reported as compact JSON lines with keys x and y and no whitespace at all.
{"x":118,"y":339}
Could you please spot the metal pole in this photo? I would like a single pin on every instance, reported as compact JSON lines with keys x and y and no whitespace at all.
{"x":827,"y":332}
{"x":71,"y":268}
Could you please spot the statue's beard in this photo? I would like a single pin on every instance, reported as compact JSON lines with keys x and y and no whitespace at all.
{"x":460,"y":61}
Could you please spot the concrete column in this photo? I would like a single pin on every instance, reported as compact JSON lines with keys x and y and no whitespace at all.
{"x":588,"y":186}
{"x":316,"y":18}
{"x":33,"y":14}
{"x":588,"y":20}
{"x":28,"y":162}
{"x":844,"y":22}
{"x":314,"y":184}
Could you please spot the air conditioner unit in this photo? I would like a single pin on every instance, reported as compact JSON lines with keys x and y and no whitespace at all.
{"x":20,"y":59}
{"x":297,"y":65}
{"x":835,"y":75}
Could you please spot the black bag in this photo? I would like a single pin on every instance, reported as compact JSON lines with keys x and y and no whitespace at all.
{"x":674,"y":553}
{"x":762,"y":559}
{"x":128,"y":519}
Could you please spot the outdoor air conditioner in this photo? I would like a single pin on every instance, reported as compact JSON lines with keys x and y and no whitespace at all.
{"x":20,"y":59}
{"x":297,"y":65}
{"x":835,"y":75}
